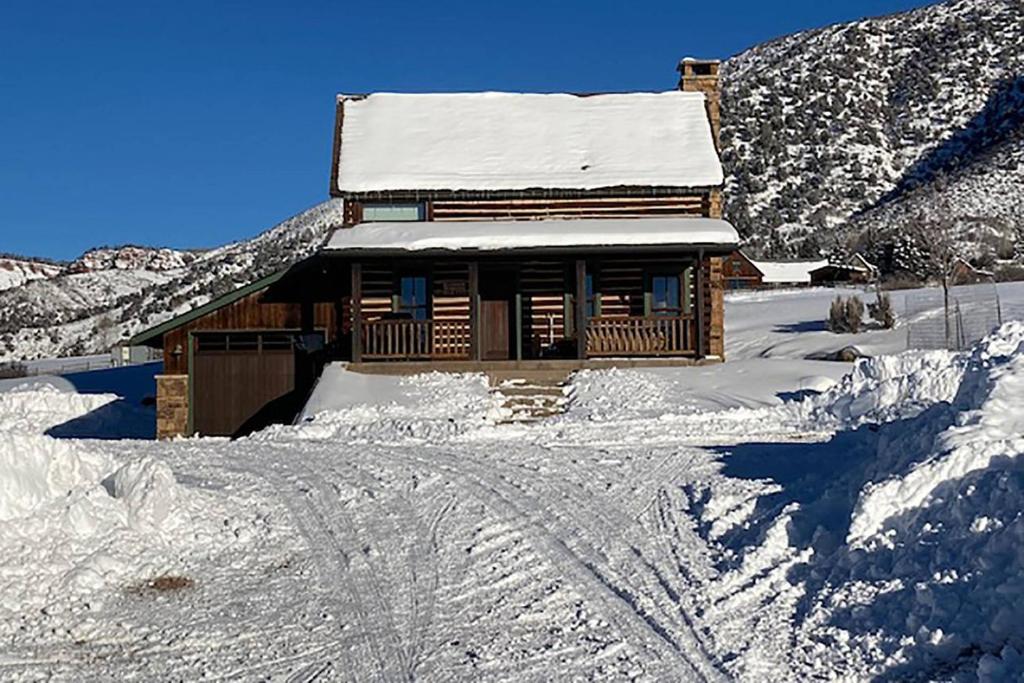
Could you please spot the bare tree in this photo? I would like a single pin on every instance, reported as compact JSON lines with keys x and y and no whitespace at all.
{"x":933,"y":229}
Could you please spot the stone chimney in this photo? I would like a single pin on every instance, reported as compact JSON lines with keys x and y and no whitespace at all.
{"x":701,"y":75}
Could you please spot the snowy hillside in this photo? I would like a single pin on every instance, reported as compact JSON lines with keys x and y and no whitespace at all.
{"x":15,"y":272}
{"x":110,"y":293}
{"x":849,"y":126}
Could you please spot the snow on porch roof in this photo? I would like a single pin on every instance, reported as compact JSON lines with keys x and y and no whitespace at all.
{"x":518,"y":141}
{"x":548,"y":234}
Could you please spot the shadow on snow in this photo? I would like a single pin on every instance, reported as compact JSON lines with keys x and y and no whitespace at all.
{"x":131,"y":416}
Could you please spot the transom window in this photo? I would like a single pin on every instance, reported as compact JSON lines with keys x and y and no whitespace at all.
{"x":378,"y":212}
{"x":414,"y":297}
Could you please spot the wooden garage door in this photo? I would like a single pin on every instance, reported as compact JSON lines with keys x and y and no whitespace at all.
{"x":237,"y":378}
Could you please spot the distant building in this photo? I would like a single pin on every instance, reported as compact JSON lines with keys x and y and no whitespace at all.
{"x":779,"y":274}
{"x":740,"y":272}
{"x":856,"y":270}
{"x":965,"y":274}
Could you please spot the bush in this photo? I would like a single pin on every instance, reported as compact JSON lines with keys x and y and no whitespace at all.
{"x":13,"y":370}
{"x":882,"y":312}
{"x":1010,"y":273}
{"x":846,"y":315}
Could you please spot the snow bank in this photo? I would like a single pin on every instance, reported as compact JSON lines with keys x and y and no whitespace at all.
{"x":33,"y":407}
{"x":988,"y":424}
{"x":354,"y":405}
{"x":77,"y":524}
{"x":914,"y":511}
{"x":886,"y":388}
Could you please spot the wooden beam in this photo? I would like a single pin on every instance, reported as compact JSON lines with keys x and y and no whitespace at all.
{"x":519,"y":324}
{"x":581,"y":309}
{"x":699,"y":274}
{"x":474,"y":310}
{"x":357,"y":312}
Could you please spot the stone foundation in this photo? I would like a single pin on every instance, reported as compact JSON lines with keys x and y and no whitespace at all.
{"x":171,"y":406}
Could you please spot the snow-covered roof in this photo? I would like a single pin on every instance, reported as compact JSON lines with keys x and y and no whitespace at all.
{"x":783,"y":272}
{"x":518,"y":141}
{"x":498,"y":235}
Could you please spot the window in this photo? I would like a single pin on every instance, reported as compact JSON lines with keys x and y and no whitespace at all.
{"x":374,"y":213}
{"x":413,"y":297}
{"x":665,"y":295}
{"x":593,"y":303}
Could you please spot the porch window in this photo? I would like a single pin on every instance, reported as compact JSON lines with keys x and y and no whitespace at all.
{"x":377,"y":212}
{"x":413,"y":299}
{"x":665,"y":296}
{"x":593,"y":298}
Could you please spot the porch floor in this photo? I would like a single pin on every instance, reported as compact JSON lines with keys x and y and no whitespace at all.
{"x":552,"y":365}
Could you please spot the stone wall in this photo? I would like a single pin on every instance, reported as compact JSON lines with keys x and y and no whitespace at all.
{"x":171,"y":406}
{"x":716,"y":338}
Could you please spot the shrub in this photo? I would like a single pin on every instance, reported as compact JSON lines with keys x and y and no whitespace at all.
{"x":12,"y":370}
{"x":882,"y":312}
{"x":1010,"y":273}
{"x":846,"y":315}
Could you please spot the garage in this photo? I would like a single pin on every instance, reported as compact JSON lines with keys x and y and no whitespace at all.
{"x":244,"y":360}
{"x":242,"y":381}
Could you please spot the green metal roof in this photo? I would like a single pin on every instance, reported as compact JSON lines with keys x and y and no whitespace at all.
{"x":146,"y":336}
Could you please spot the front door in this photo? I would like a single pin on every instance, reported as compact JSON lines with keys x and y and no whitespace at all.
{"x":494,"y":335}
{"x":497,"y":297}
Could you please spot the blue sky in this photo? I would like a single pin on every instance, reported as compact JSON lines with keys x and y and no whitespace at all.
{"x":191,"y":124}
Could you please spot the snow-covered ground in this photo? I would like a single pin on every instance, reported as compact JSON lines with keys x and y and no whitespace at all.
{"x":770,"y":519}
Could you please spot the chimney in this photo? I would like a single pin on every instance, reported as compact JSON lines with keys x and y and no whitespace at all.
{"x":701,"y":75}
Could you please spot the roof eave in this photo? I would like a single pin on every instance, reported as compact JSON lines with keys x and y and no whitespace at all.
{"x":358,"y":253}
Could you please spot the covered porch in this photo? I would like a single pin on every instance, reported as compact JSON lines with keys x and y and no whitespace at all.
{"x":562,"y":303}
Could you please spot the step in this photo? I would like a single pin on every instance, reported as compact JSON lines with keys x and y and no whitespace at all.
{"x":530,"y":390}
{"x":544,"y":377}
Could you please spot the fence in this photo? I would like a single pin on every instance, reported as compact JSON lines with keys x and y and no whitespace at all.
{"x":973,"y":311}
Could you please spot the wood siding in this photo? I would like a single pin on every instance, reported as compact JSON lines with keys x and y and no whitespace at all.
{"x":248,"y":313}
{"x":555,"y":208}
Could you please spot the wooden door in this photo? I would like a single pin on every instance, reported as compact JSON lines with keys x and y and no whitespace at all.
{"x":495,"y":329}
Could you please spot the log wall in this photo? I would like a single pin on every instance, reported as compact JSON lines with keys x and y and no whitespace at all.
{"x":248,"y":313}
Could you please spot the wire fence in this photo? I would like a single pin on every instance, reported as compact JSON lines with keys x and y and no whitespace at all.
{"x":965,"y":317}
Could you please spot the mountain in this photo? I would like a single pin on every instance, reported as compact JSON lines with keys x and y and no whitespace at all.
{"x":109,"y":294}
{"x":831,"y":132}
{"x":16,"y":271}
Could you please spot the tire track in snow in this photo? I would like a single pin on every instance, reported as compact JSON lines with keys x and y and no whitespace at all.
{"x":424,"y":525}
{"x":369,"y":661}
{"x":584,"y":561}
{"x":642,"y":562}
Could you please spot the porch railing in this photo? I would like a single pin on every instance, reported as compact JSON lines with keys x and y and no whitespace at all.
{"x":641,"y":336}
{"x":405,"y":339}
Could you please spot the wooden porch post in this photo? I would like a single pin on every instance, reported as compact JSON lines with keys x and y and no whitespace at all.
{"x":699,"y":316}
{"x":356,"y":307}
{"x":474,"y":310}
{"x":581,"y":309}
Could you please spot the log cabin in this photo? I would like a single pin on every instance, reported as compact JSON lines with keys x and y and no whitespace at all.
{"x":485,"y":229}
{"x":740,"y":272}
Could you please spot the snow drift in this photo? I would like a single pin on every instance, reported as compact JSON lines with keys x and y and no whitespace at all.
{"x":906,"y":528}
{"x":76,"y":524}
{"x":349,"y":405}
